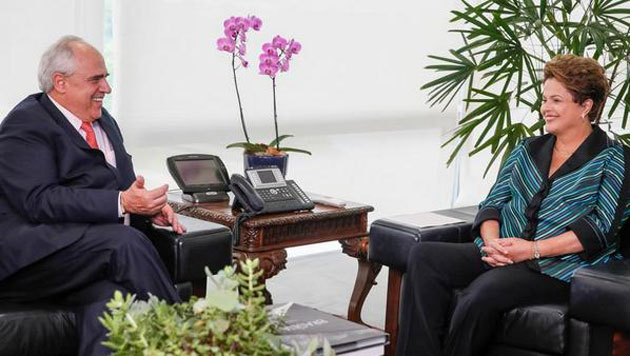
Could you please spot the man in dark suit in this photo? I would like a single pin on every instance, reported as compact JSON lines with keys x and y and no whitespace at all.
{"x":67,"y":194}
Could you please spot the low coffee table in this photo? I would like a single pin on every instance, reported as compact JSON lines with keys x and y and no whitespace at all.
{"x":266,"y":237}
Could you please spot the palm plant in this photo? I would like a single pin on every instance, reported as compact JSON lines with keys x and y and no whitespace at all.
{"x":499,"y":66}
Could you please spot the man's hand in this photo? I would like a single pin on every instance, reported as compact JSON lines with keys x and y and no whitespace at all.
{"x":138,"y":200}
{"x":166,"y":217}
{"x":497,"y":254}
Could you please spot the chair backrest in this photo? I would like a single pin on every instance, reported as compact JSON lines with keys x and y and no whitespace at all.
{"x":624,"y":239}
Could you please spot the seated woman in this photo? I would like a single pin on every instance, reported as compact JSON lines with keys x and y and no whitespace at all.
{"x":556,"y":206}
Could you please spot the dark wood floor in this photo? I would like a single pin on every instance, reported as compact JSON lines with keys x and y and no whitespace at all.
{"x":325,"y":281}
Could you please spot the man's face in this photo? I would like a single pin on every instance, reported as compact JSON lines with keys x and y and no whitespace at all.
{"x":82,"y":92}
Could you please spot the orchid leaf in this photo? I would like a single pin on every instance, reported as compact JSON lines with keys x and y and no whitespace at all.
{"x":249,"y":147}
{"x":297,"y":150}
{"x":278,"y":140}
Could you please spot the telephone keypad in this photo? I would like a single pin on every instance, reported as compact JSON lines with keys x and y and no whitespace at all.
{"x":275,"y":194}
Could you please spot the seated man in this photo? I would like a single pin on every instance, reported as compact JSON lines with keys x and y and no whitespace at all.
{"x":67,"y":195}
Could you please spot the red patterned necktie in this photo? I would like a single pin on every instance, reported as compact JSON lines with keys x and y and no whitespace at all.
{"x":90,"y":137}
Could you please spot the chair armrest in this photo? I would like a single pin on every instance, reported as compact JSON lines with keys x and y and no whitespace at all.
{"x":601,"y":295}
{"x":390,"y":242}
{"x":185,"y":256}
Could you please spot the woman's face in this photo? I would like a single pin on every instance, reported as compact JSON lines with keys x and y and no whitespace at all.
{"x":560,"y":112}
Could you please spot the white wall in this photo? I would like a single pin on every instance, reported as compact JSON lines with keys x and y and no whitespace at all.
{"x":28,"y":27}
{"x":352,"y":95}
{"x":360,"y":61}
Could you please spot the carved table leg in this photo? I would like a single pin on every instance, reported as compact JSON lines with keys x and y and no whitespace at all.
{"x":366,"y":274}
{"x":271,"y":262}
{"x":392,"y":310}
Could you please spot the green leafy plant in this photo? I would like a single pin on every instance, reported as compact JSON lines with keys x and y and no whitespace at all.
{"x":232,"y":320}
{"x":499,"y":65}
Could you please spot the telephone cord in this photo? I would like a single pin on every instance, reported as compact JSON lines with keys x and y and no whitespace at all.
{"x":236,"y":230}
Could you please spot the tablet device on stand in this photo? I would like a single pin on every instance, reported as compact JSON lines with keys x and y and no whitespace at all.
{"x":202,"y":178}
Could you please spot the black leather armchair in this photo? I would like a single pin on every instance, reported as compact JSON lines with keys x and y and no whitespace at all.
{"x":599,"y":301}
{"x":41,"y":329}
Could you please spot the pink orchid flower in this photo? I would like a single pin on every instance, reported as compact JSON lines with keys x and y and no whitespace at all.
{"x":226,"y":44}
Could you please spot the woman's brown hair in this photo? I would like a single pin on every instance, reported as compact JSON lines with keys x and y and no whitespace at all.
{"x":583,"y":77}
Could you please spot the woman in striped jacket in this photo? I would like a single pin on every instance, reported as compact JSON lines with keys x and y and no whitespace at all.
{"x":556,"y":206}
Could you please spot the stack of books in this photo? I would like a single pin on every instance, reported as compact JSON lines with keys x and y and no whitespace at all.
{"x":302,"y":324}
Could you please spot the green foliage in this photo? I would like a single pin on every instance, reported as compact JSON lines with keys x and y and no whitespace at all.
{"x":499,"y":65}
{"x":232,"y":320}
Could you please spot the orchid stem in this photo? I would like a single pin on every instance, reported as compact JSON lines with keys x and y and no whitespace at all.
{"x":238,"y":96}
{"x":275,"y":114}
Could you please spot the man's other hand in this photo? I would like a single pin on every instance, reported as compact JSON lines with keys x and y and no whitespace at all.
{"x":166,"y":217}
{"x":138,"y":200}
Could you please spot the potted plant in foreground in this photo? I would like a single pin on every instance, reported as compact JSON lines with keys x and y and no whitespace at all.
{"x":275,"y":58}
{"x":231,"y":320}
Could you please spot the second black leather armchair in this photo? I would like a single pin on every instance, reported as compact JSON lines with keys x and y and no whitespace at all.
{"x":600,"y":296}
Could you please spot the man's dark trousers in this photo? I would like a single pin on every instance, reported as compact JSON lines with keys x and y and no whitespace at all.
{"x":85,"y":274}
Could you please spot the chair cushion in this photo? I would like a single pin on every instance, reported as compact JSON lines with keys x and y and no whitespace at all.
{"x":36,"y":330}
{"x":541,"y":328}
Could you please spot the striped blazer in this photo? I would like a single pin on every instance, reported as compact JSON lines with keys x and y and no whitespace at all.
{"x":588,"y":194}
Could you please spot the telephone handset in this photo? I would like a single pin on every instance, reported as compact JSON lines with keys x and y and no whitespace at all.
{"x":245,"y":195}
{"x":265,"y":191}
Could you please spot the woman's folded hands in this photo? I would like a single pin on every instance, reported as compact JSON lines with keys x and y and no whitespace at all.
{"x":506,"y":251}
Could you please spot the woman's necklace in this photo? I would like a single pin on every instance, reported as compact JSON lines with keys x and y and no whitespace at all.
{"x":569,"y":153}
{"x":563,"y":153}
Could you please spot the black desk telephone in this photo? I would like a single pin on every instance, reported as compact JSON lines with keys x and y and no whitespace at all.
{"x":265,"y":191}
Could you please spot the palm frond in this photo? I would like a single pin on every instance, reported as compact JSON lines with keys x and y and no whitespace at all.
{"x":498,"y":67}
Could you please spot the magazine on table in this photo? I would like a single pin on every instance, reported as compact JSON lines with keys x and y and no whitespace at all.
{"x":302,"y":324}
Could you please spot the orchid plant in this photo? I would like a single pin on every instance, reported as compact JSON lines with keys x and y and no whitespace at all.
{"x":235,"y":31}
{"x":275,"y":57}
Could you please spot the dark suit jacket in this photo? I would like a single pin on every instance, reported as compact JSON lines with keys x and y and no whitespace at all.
{"x":52,"y":184}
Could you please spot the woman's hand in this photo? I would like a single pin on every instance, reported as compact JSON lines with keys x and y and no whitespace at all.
{"x":517,"y":249}
{"x":496,"y":254}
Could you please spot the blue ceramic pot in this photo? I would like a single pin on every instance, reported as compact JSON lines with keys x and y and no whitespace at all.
{"x":254,"y":161}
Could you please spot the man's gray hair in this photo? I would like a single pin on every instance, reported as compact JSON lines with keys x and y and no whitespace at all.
{"x":58,"y":58}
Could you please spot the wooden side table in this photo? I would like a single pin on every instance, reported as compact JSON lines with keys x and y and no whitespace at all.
{"x":266,"y":237}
